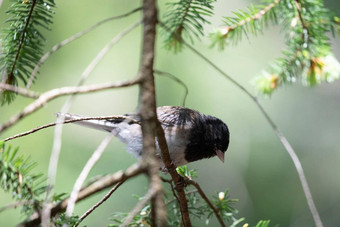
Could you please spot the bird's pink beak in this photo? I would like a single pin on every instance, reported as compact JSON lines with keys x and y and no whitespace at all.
{"x":220,"y":155}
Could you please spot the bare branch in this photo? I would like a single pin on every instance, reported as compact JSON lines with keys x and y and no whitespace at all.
{"x":85,"y":172}
{"x":201,"y":192}
{"x":54,"y":93}
{"x":70,"y":121}
{"x":19,"y":90}
{"x":57,"y":141}
{"x":171,"y":76}
{"x":97,"y":186}
{"x":70,"y":39}
{"x":89,"y":211}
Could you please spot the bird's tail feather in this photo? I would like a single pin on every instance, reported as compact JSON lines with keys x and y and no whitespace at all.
{"x":95,"y":124}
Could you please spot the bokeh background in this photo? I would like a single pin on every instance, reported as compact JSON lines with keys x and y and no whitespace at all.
{"x":257,"y":171}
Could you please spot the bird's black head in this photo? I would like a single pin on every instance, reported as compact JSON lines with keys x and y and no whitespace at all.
{"x":209,"y":137}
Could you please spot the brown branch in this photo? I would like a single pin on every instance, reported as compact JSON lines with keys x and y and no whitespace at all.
{"x":19,"y":90}
{"x":70,"y":39}
{"x":148,"y":114}
{"x":89,"y":211}
{"x":70,"y":121}
{"x":201,"y":192}
{"x":54,"y":93}
{"x":97,"y":186}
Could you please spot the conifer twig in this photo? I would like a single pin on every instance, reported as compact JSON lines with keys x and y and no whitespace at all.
{"x":22,"y":39}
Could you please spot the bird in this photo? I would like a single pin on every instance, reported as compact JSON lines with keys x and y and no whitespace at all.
{"x":190,"y":135}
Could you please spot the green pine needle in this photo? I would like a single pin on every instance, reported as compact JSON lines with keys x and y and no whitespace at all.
{"x":22,"y":41}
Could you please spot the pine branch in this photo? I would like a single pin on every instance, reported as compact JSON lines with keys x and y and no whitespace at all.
{"x":17,"y":179}
{"x":22,"y":41}
{"x":252,"y":21}
{"x":308,"y":58}
{"x":185,"y":18}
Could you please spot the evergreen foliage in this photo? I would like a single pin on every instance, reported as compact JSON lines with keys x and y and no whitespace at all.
{"x":185,"y":19}
{"x":15,"y":177}
{"x":22,"y":40}
{"x":306,"y":24}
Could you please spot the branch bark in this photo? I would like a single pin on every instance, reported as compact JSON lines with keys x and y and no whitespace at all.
{"x":148,"y":114}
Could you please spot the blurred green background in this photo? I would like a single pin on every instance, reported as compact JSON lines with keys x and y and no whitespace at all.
{"x":257,"y":171}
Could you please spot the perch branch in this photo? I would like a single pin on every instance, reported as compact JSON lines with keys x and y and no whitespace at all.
{"x":70,"y":121}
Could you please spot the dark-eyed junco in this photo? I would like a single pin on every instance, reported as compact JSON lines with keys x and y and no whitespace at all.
{"x":190,"y":135}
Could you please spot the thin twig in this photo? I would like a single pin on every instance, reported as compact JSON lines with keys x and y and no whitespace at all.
{"x":54,"y":93}
{"x":171,"y":76}
{"x":201,"y":192}
{"x":19,"y":90}
{"x":85,"y":172}
{"x":278,"y":133}
{"x":138,"y":207}
{"x":57,"y":141}
{"x":97,"y":186}
{"x":70,"y":39}
{"x":70,"y":121}
{"x":89,"y":211}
